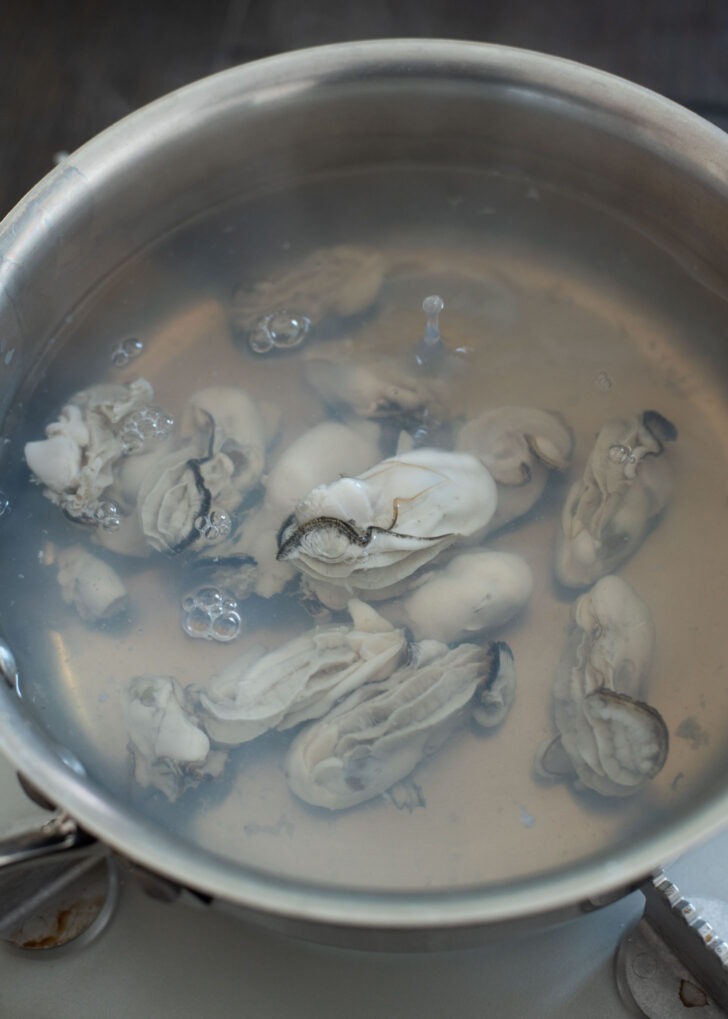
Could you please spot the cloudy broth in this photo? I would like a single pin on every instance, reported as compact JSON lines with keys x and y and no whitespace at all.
{"x":551,"y":304}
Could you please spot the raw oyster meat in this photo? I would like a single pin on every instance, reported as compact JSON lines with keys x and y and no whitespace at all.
{"x":76,"y":460}
{"x":302,"y":679}
{"x":520,"y":446}
{"x":187,"y":493}
{"x":383,"y":387}
{"x":88,"y":583}
{"x":609,"y":739}
{"x":371,"y":531}
{"x":340,"y":280}
{"x":242,"y":431}
{"x":627,"y":482}
{"x":321,"y":454}
{"x":169,"y":750}
{"x":476,"y":592}
{"x":381,"y":732}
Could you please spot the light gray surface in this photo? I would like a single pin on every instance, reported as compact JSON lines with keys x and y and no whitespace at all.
{"x":157,"y":960}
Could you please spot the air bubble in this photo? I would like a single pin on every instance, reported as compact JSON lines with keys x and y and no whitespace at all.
{"x":143,"y":427}
{"x":281,"y":330}
{"x":620,"y":454}
{"x":211,"y":613}
{"x":226,"y":627}
{"x":8,"y":666}
{"x":125,"y":351}
{"x":214,"y":526}
{"x":106,"y":515}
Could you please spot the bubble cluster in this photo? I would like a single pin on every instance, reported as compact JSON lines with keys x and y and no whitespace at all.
{"x":281,"y":330}
{"x":214,"y":526}
{"x":211,"y":613}
{"x":106,"y":515}
{"x":125,"y":351}
{"x":143,"y":427}
{"x":621,"y":454}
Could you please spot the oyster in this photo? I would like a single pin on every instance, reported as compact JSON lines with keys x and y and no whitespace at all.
{"x":302,"y":679}
{"x":94,"y":589}
{"x":379,"y":388}
{"x":627,"y":482}
{"x":241,"y":432}
{"x":174,"y":495}
{"x":475,"y":592}
{"x":381,"y":732}
{"x":169,"y":750}
{"x":520,"y":446}
{"x":371,"y":531}
{"x":610,"y":740}
{"x":190,"y":492}
{"x":341,"y":280}
{"x":75,"y":462}
{"x":321,"y":454}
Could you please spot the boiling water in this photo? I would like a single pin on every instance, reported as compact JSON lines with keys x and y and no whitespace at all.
{"x":558,"y":306}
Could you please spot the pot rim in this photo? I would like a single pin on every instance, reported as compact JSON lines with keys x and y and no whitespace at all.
{"x":660,"y":124}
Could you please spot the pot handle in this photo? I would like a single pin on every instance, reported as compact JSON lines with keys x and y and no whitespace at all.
{"x":675,"y":958}
{"x":59,"y":835}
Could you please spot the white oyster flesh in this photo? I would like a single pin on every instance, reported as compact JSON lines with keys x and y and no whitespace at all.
{"x":169,"y":750}
{"x":476,"y":592}
{"x":340,"y":280}
{"x":320,"y":455}
{"x":521,"y":447}
{"x":173,"y":495}
{"x":614,"y":742}
{"x":383,"y":387}
{"x":371,"y":531}
{"x":381,"y":732}
{"x":76,"y":460}
{"x":88,"y":583}
{"x":218,"y":458}
{"x":241,"y":434}
{"x":300,"y":680}
{"x":626,"y":484}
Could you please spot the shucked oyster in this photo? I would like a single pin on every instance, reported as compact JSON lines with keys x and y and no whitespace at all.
{"x":520,"y":446}
{"x":88,"y":583}
{"x":381,"y":732}
{"x":169,"y":750}
{"x":242,"y":430}
{"x":627,"y":482}
{"x":476,"y":592}
{"x":219,"y":458}
{"x":384,"y":387}
{"x":321,"y":454}
{"x":76,"y":460}
{"x":300,"y":680}
{"x":609,"y":739}
{"x":371,"y":531}
{"x":340,"y":280}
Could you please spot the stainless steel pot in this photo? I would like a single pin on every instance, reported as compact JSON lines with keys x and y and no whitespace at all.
{"x":270,"y":125}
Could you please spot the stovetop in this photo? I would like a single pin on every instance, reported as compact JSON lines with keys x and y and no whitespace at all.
{"x":161,"y":960}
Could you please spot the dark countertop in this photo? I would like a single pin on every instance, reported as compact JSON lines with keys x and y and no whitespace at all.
{"x":67,"y":70}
